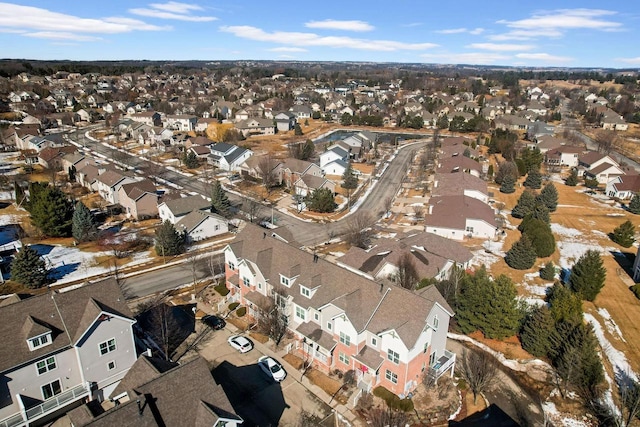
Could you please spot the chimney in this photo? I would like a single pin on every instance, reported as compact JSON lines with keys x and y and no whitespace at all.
{"x":139,"y":407}
{"x":381,"y":287}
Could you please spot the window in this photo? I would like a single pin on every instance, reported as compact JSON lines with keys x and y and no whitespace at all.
{"x":305,"y":291}
{"x":432,"y":358}
{"x":426,"y":347}
{"x":40,"y":341}
{"x":301,"y":313}
{"x":246,"y":281}
{"x":259,"y":285}
{"x":111,"y":365}
{"x":284,"y":280}
{"x":46,"y":365}
{"x":107,"y":346}
{"x":391,"y":376}
{"x":469,"y":229}
{"x":51,"y":389}
{"x":344,"y":358}
{"x":436,"y":322}
{"x":374,"y":341}
{"x":231,"y":265}
{"x":316,"y":316}
{"x":393,"y":356}
{"x":345,"y":339}
{"x":329,"y":325}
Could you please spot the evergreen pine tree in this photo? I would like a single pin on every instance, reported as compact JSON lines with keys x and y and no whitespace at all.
{"x":542,"y":213}
{"x":572,"y":180}
{"x":564,"y":305}
{"x":549,"y":197}
{"x":624,"y":234}
{"x":321,"y":200}
{"x":349,"y":181}
{"x":548,"y":272}
{"x":51,"y":211}
{"x":526,"y":204}
{"x":536,"y":332}
{"x":168,"y":241}
{"x":308,"y":149}
{"x":28,"y":268}
{"x":522,"y":255}
{"x":588,"y":275}
{"x":540,"y":235}
{"x":534,"y":179}
{"x":83,"y":226}
{"x":190,"y":160}
{"x":634,"y":204}
{"x":488,"y":305}
{"x":508,"y":184}
{"x":219,"y":201}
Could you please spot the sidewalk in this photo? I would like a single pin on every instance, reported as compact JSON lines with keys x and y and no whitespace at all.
{"x":343,"y":412}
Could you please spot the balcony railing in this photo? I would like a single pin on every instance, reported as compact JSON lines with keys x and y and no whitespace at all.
{"x":46,"y":407}
{"x":443,"y":364}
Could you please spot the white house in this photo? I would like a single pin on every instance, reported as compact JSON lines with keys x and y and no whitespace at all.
{"x":173,"y":210}
{"x":623,"y":187}
{"x":180,"y":122}
{"x":228,"y":157}
{"x":457,"y":217}
{"x":201,"y":225}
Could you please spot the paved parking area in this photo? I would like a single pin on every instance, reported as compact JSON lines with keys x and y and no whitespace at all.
{"x":256,"y":397}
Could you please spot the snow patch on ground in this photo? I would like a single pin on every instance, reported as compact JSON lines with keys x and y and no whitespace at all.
{"x":616,"y":357}
{"x":560,"y":419}
{"x":540,"y":290}
{"x":610,"y":324}
{"x":482,"y":257}
{"x":565,"y":231}
{"x":6,"y":195}
{"x":6,"y":219}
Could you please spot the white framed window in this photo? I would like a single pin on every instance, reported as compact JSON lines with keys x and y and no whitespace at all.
{"x":284,"y":280}
{"x":51,"y":389}
{"x":46,"y":365}
{"x":329,"y":325}
{"x":107,"y":346}
{"x":393,"y":356}
{"x":260,"y":286}
{"x":305,"y":291}
{"x":316,"y":316}
{"x":469,"y":229}
{"x":374,"y":341}
{"x":231,"y":265}
{"x":39,"y":341}
{"x":345,"y":339}
{"x":301,"y":313}
{"x":436,"y":322}
{"x":111,"y":365}
{"x":343,"y":358}
{"x":426,"y":347}
{"x":391,"y":376}
{"x":432,"y":358}
{"x":246,"y":281}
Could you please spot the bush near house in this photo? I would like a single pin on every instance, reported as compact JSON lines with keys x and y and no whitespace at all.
{"x":241,"y":311}
{"x":392,"y":400}
{"x":233,"y":306}
{"x":222,"y":289}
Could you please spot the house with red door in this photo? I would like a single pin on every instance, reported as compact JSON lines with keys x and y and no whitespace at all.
{"x":342,"y":320}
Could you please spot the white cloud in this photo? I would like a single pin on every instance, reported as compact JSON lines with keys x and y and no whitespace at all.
{"x":543,"y":57}
{"x":466,"y":58}
{"x":61,"y":35}
{"x":173,"y":10}
{"x":331,"y":24}
{"x":500,"y":47}
{"x":311,"y":39}
{"x":633,"y":61}
{"x":452,"y":31}
{"x":287,"y":49}
{"x":476,"y":31}
{"x":28,"y":18}
{"x":525,"y":34}
{"x":413,"y":24}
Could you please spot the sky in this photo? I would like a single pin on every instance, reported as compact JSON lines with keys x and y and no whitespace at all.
{"x":560,"y":33}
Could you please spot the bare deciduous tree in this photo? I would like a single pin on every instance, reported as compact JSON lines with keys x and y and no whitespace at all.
{"x":479,"y":370}
{"x":388,"y":204}
{"x":252,"y":207}
{"x":606,"y":140}
{"x":266,"y":168}
{"x":386,"y":417}
{"x":407,"y":274}
{"x":418,"y":211}
{"x":359,"y":229}
{"x":272,"y":321}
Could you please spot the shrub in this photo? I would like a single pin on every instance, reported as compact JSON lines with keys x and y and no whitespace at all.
{"x":233,"y":305}
{"x":392,"y":400}
{"x":241,"y":311}
{"x":222,"y":289}
{"x":636,"y":290}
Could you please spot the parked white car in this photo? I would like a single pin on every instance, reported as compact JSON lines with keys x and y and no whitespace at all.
{"x":240,"y":343}
{"x":272,"y":368}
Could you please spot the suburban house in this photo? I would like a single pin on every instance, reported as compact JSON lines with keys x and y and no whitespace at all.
{"x":149,"y":118}
{"x":308,"y":183}
{"x":285,"y":121}
{"x":228,"y":157}
{"x":256,"y":126}
{"x":139,"y":200}
{"x":599,"y":166}
{"x":159,"y":393}
{"x":60,"y":348}
{"x":180,"y":122}
{"x":433,"y":257}
{"x":294,"y":169}
{"x":253,"y":167}
{"x":458,"y":150}
{"x":108,"y":185}
{"x":332,"y":154}
{"x":302,"y":112}
{"x":537,"y":129}
{"x":37,"y":143}
{"x":457,"y":217}
{"x":51,"y":157}
{"x":198,"y":141}
{"x":341,"y":319}
{"x":460,"y":184}
{"x":174,"y":210}
{"x":511,"y":122}
{"x":613,"y":121}
{"x":563,"y":156}
{"x":459,"y":164}
{"x":623,"y":186}
{"x":201,"y":225}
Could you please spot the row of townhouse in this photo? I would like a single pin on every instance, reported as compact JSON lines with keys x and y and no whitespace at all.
{"x":342,"y":320}
{"x":59,"y":348}
{"x":459,"y":206}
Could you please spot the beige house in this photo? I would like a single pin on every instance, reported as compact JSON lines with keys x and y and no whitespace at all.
{"x":139,"y":200}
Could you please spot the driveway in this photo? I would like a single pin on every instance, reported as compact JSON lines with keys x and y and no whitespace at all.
{"x":258,"y":399}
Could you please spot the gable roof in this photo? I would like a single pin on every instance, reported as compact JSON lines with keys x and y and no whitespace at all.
{"x":455,"y":184}
{"x":184,"y":205}
{"x":628,"y":183}
{"x":136,"y":190}
{"x":67,"y":315}
{"x":453,"y":212}
{"x":194,"y":219}
{"x":110,"y":177}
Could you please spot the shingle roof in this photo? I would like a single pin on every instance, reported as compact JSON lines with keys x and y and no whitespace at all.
{"x":629,"y":183}
{"x":135,"y":190}
{"x":67,"y":315}
{"x":195,"y":218}
{"x":184,"y":205}
{"x":358,"y":297}
{"x":454,"y":184}
{"x":110,"y":177}
{"x":453,"y":211}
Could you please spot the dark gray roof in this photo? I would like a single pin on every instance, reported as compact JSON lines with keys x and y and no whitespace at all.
{"x":316,"y":334}
{"x":67,"y":315}
{"x":184,"y":205}
{"x":222,"y":147}
{"x":239,"y":151}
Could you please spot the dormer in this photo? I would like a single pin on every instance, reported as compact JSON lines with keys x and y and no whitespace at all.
{"x":37,"y":334}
